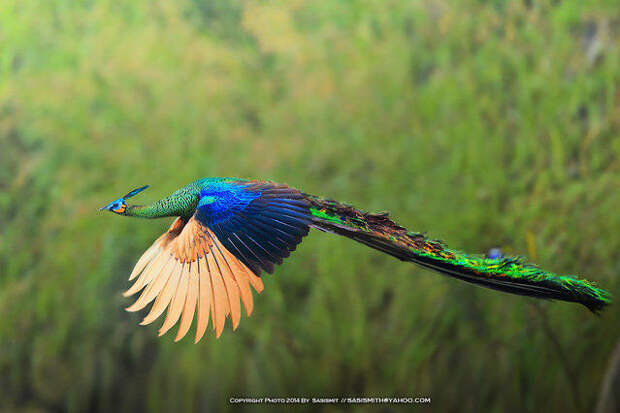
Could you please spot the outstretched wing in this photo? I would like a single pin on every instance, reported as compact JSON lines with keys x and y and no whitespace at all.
{"x":207,"y":263}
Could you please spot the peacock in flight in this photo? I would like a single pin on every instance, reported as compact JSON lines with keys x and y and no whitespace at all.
{"x":228,"y":230}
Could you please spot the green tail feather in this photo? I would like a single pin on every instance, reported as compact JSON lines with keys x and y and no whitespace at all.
{"x":508,"y":274}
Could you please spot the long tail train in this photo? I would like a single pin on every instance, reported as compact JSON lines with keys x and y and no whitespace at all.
{"x":509,"y":274}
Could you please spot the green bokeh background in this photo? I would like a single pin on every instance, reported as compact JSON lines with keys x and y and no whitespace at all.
{"x":484,"y":123}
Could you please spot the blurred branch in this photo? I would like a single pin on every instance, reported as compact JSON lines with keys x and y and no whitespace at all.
{"x":607,"y":400}
{"x":571,"y":374}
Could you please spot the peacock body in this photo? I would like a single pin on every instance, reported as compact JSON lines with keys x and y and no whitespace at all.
{"x":229,"y":230}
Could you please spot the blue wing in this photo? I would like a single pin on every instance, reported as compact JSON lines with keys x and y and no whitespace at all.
{"x":258,"y":222}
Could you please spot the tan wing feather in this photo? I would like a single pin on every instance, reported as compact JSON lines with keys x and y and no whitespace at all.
{"x":178,"y":302}
{"x":145,"y":259}
{"x":190,"y":302}
{"x":165,"y":296}
{"x":151,"y":270}
{"x":156,"y":281}
{"x":204,"y":299}
{"x":188,"y":271}
{"x":240,"y":276}
{"x":220,"y":301}
{"x":232,"y":289}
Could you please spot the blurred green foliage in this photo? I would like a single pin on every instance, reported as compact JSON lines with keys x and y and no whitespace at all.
{"x":484,"y":123}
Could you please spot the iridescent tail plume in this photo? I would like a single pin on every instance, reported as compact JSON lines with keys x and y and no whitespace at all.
{"x":508,"y":274}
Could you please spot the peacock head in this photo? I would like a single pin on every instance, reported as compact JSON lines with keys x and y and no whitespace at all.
{"x":119,"y":206}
